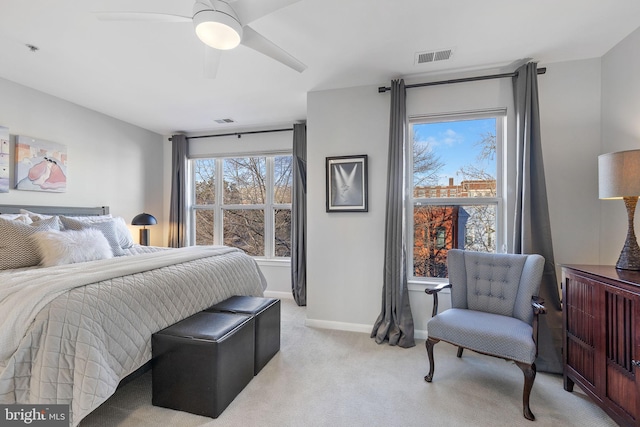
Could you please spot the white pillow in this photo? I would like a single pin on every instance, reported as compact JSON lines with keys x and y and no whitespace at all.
{"x":107,"y":227}
{"x":17,"y":217}
{"x":92,"y":218}
{"x":68,"y":247}
{"x":16,"y":250}
{"x":124,"y":235}
{"x":34,"y":216}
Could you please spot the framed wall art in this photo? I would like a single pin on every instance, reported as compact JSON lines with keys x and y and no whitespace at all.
{"x":4,"y":159}
{"x":347,"y":184}
{"x":40,"y":165}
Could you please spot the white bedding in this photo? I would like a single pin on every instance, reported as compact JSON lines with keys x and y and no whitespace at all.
{"x":69,"y":334}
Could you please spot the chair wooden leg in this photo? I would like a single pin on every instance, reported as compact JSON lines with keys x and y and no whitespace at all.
{"x":429,"y":344}
{"x":460,"y":351}
{"x":529,"y":377}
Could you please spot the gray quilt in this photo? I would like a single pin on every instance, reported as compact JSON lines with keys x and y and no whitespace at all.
{"x":85,"y":339}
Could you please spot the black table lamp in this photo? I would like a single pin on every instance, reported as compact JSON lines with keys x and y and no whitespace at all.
{"x":144,"y":219}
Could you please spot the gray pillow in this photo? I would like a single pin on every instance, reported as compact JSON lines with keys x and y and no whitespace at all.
{"x":108,"y":227}
{"x":16,"y":249}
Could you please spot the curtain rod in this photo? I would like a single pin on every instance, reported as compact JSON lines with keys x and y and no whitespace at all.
{"x":383,"y":89}
{"x":239,"y":134}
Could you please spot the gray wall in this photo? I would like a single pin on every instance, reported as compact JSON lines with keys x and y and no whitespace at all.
{"x":346,"y":250}
{"x":110,"y":162}
{"x":620,"y":131}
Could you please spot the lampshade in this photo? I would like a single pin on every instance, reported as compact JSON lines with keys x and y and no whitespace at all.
{"x":619,"y":174}
{"x":217,"y":26}
{"x":619,"y":178}
{"x":144,"y":219}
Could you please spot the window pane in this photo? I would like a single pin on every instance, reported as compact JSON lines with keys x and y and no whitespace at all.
{"x":205,"y":181}
{"x":244,"y":229}
{"x":455,"y":159}
{"x":244,"y":181}
{"x":204,"y":227}
{"x":283,"y":232}
{"x":283,"y":179}
{"x":436,"y":229}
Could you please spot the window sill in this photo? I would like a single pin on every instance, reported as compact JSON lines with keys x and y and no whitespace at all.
{"x":274,"y":262}
{"x":421,"y":285}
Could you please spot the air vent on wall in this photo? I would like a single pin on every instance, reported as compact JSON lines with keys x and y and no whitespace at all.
{"x":433,"y":56}
{"x":224,"y":121}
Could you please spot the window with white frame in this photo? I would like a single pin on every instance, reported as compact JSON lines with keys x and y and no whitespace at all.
{"x":243,"y":201}
{"x":456,"y":188}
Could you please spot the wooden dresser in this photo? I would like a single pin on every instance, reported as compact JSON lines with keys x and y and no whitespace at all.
{"x":601,"y":322}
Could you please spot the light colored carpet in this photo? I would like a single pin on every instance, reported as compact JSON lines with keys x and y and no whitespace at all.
{"x":334,"y":378}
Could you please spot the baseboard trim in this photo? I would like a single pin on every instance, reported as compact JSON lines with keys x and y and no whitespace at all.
{"x":338,"y":326}
{"x":353,"y":327}
{"x":279,"y":295}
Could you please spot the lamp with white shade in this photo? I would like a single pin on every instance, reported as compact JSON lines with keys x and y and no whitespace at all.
{"x":619,"y":178}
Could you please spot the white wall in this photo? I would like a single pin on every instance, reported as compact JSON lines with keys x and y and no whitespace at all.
{"x":620,"y":131}
{"x":346,"y":250}
{"x":110,"y":162}
{"x":570,"y":98}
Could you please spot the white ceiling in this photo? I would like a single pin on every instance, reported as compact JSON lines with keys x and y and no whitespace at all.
{"x":151,"y":74}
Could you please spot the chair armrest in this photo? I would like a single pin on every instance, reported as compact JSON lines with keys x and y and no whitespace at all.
{"x":433,"y":290}
{"x":538,"y":308}
{"x":538,"y":305}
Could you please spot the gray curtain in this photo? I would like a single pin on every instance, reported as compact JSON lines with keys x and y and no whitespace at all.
{"x":177,"y":210}
{"x":532,"y":229}
{"x":395,"y":322}
{"x":299,"y":215}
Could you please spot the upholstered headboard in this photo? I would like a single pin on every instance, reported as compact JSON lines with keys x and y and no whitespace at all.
{"x":56,"y":210}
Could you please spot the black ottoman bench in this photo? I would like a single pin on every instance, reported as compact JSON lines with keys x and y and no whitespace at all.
{"x":267,"y":314}
{"x":203,"y":362}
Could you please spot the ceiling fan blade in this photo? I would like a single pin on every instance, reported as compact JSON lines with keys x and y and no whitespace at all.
{"x":250,"y":10}
{"x":211,"y":62}
{"x":141,"y":16}
{"x":255,"y":41}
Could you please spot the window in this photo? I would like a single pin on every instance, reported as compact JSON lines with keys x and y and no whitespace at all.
{"x":456,"y":188}
{"x":243,"y":202}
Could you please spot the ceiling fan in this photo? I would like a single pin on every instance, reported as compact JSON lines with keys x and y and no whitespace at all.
{"x":222,"y":25}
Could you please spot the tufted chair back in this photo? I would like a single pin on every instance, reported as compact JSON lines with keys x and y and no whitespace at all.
{"x":494,"y":283}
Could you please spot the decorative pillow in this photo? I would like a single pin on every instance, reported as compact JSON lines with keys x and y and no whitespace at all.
{"x":107,"y":227}
{"x":17,"y":217}
{"x":16,"y":250}
{"x":68,"y":247}
{"x":35,"y":216}
{"x":92,"y":218}
{"x":124,"y":235}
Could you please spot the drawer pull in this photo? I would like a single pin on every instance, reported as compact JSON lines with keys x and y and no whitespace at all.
{"x":635,"y":363}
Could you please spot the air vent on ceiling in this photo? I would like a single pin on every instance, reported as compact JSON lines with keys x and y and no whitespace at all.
{"x":433,"y":56}
{"x":224,"y":121}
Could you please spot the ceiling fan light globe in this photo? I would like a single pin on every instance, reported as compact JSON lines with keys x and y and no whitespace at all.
{"x":217,"y":29}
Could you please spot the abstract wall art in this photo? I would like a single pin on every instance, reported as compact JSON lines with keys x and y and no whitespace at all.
{"x":40,"y":165}
{"x":4,"y":159}
{"x":347,"y":184}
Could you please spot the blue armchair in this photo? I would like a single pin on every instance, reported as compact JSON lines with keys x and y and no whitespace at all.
{"x":494,"y":310}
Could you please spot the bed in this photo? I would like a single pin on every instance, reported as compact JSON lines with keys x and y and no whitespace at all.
{"x":70,"y":333}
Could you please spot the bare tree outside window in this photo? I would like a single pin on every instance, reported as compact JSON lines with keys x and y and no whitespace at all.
{"x":252,"y":214}
{"x":454,"y":191}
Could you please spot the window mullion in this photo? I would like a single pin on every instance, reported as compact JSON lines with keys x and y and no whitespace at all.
{"x":219,"y":201}
{"x":269,"y":220}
